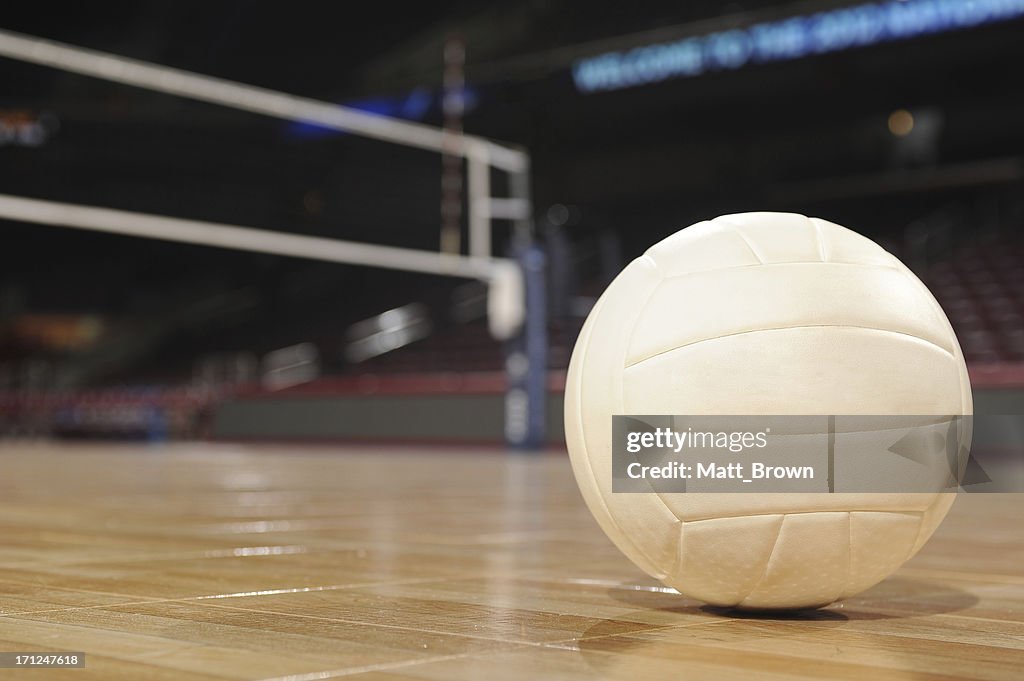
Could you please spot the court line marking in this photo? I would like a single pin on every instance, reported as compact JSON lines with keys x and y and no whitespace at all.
{"x":238,"y":552}
{"x":418,"y":630}
{"x":383,"y":666}
{"x":145,"y":600}
{"x":569,"y":644}
{"x":641,"y":626}
{"x":989,"y":580}
{"x":417,"y":542}
{"x":646,"y":626}
{"x":555,"y":646}
{"x":612,"y":584}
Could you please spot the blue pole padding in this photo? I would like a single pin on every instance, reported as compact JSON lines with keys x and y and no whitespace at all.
{"x":526,"y":359}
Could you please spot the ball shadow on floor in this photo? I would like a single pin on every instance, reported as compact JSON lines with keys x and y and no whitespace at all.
{"x":710,"y":640}
{"x":896,"y":597}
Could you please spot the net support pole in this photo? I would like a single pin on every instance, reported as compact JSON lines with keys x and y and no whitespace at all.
{"x":519,"y":189}
{"x":526,"y":359}
{"x":479,"y":190}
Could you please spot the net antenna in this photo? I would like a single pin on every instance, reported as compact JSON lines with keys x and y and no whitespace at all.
{"x":481,"y":156}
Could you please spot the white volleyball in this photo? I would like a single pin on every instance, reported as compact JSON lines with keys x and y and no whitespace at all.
{"x":774,"y":314}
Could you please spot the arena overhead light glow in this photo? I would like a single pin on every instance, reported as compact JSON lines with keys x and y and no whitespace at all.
{"x":792,"y":38}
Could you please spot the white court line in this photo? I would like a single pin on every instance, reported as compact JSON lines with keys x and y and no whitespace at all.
{"x":619,"y":585}
{"x":383,"y":666}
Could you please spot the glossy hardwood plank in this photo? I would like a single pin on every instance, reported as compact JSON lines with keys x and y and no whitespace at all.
{"x":301,"y":563}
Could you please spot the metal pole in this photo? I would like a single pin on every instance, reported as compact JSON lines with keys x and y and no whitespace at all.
{"x":479,"y":202}
{"x":453,"y":107}
{"x":519,"y":188}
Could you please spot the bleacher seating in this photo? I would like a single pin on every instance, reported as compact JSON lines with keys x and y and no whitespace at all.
{"x":982,"y":292}
{"x":466,"y":347}
{"x":981,"y":289}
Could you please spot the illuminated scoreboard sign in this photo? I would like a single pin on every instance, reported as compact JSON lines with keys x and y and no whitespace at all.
{"x":792,"y":38}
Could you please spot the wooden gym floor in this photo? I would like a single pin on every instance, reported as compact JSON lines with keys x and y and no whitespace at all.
{"x":230,"y":562}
